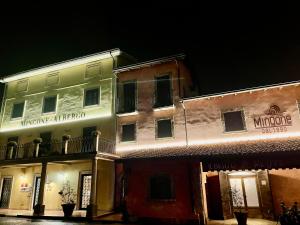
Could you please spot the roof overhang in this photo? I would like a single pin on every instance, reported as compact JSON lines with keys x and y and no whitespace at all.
{"x":62,"y":65}
{"x":149,"y":63}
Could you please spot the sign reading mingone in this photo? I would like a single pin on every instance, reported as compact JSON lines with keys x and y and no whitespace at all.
{"x":273,"y":120}
{"x":53,"y":119}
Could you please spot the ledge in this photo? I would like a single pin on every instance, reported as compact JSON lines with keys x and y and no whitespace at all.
{"x":164,"y":108}
{"x":127,"y":114}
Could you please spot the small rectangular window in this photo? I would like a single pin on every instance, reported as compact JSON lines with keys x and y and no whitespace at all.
{"x":163,"y":91}
{"x":164,"y":128}
{"x":128,"y":132}
{"x":49,"y":104}
{"x":18,"y":109}
{"x":234,"y":121}
{"x":127,"y":97}
{"x":91,"y":97}
{"x":161,"y":188}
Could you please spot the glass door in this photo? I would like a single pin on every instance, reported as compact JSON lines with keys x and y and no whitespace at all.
{"x":5,"y":192}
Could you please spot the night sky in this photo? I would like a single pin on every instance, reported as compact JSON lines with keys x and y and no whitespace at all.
{"x":227,"y":48}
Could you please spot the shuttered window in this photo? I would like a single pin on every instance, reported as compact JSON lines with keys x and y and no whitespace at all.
{"x":49,"y":104}
{"x":164,"y":128}
{"x":234,"y":121}
{"x":163,"y":91}
{"x":128,"y":132}
{"x":18,"y":109}
{"x":91,"y":97}
{"x":127,"y":97}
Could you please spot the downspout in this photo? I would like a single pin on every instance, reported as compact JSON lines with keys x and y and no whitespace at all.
{"x":114,"y":79}
{"x":185,"y":124}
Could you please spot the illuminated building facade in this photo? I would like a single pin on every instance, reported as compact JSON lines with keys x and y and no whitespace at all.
{"x":181,"y":155}
{"x":58,"y":127}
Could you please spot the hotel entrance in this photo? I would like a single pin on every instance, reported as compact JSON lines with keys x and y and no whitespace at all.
{"x":244,"y":193}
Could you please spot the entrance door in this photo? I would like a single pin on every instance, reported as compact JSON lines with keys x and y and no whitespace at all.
{"x":5,"y":192}
{"x":87,"y":139}
{"x":245,"y":189}
{"x":85,"y":190}
{"x":37,"y":185}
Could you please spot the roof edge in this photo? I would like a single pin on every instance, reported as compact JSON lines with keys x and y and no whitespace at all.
{"x":149,"y":63}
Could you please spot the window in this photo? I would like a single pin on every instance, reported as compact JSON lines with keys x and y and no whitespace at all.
{"x":163,"y":91}
{"x":45,"y":147}
{"x":91,"y":97}
{"x":234,"y":121}
{"x":127,"y":97}
{"x":49,"y":104}
{"x":18,"y":109}
{"x":161,"y":188}
{"x":128,"y":132}
{"x":92,"y":70}
{"x":164,"y":128}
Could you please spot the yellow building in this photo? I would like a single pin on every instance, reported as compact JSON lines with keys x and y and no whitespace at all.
{"x":58,"y":130}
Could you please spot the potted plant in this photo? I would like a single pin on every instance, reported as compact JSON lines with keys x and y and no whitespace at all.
{"x":68,"y":197}
{"x":289,"y":216}
{"x":239,"y":212}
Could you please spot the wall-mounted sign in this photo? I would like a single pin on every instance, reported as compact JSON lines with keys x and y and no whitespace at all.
{"x":273,"y":120}
{"x":53,"y":119}
{"x":24,"y":187}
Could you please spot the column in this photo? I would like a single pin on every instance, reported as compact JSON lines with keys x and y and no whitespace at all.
{"x":39,"y":209}
{"x":92,"y":207}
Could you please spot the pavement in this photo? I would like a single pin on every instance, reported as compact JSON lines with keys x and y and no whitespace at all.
{"x":250,"y":221}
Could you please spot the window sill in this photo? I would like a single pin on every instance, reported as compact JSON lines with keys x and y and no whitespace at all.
{"x":127,"y":113}
{"x":162,"y":108}
{"x":91,"y":106}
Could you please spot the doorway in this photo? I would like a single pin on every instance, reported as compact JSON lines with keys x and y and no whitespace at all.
{"x":85,"y":190}
{"x":5,"y":192}
{"x":87,"y":139}
{"x":37,"y":185}
{"x":244,"y":187}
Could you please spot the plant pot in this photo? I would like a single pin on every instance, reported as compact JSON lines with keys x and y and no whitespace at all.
{"x":241,"y":217}
{"x":68,"y":209}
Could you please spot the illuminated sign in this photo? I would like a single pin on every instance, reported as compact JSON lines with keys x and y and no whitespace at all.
{"x":53,"y":119}
{"x":273,"y":120}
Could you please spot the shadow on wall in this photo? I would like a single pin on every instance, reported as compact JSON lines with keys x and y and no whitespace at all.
{"x":285,"y":187}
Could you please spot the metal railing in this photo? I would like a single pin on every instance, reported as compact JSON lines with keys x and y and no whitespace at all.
{"x":76,"y":145}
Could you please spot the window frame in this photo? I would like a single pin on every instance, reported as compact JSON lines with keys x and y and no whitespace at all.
{"x":172,"y":186}
{"x":121,"y":133}
{"x":243,"y":120}
{"x":122,"y":100}
{"x":12,"y":110}
{"x":43,"y":105}
{"x":84,"y":96}
{"x":172,"y":128}
{"x":155,"y":90}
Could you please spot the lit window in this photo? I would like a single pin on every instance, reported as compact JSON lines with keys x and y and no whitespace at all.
{"x":234,"y":121}
{"x":49,"y":104}
{"x":164,"y":128}
{"x":91,"y":97}
{"x":161,"y":188}
{"x":18,"y":110}
{"x":127,"y":97}
{"x":128,"y":132}
{"x":163,"y":91}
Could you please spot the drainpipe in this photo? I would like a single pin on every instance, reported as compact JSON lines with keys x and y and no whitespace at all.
{"x":185,"y":124}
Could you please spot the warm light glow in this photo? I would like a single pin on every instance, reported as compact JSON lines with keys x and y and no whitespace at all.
{"x":241,"y":173}
{"x":55,"y":123}
{"x":152,"y":146}
{"x":164,"y":108}
{"x":225,"y":140}
{"x":22,"y":177}
{"x":63,"y":65}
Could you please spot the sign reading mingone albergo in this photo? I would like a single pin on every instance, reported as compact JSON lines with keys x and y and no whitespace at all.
{"x":53,"y":119}
{"x":273,"y":120}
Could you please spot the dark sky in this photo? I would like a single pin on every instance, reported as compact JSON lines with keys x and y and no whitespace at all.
{"x":227,"y":47}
